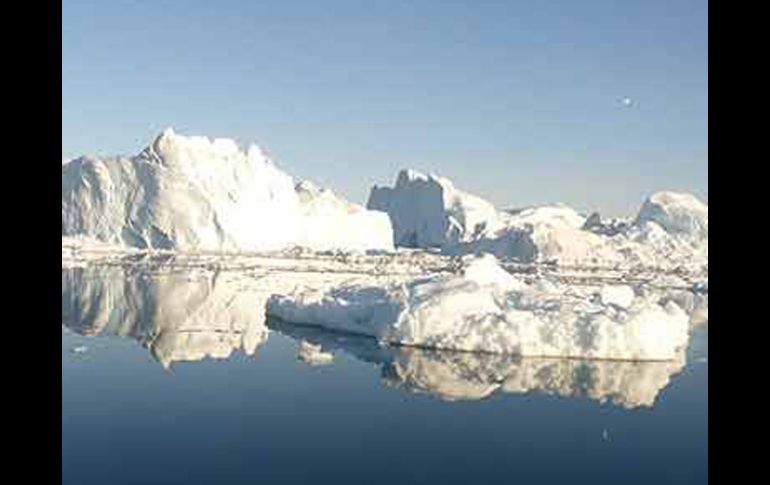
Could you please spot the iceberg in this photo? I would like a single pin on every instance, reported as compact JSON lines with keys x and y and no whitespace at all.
{"x":195,"y":194}
{"x":329,"y":222}
{"x":428,"y":211}
{"x":677,"y":213}
{"x":483,"y":308}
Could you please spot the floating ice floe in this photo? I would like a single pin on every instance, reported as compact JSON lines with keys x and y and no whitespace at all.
{"x":486,"y":309}
{"x":193,"y":194}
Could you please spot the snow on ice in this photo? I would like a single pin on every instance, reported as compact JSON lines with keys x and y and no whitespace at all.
{"x":192,"y":193}
{"x":388,"y":271}
{"x":486,"y":309}
{"x":428,"y":211}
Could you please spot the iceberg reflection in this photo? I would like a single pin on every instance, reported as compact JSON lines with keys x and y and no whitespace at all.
{"x":177,"y":316}
{"x":193,"y":315}
{"x":451,"y":375}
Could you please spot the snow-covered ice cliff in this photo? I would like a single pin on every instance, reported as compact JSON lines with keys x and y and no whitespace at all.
{"x":428,"y":211}
{"x":192,"y":193}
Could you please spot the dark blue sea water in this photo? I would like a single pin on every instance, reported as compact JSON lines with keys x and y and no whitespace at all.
{"x":142,"y":403}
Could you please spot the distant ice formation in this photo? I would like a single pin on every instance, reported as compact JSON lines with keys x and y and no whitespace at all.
{"x":620,"y":289}
{"x":192,"y":193}
{"x":429,"y":211}
{"x":486,"y":309}
{"x":677,"y":213}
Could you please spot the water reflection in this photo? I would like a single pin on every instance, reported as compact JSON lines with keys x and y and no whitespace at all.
{"x":177,"y":316}
{"x":190,"y":316}
{"x":454,"y":376}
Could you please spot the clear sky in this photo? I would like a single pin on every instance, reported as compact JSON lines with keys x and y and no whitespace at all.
{"x":517,"y":101}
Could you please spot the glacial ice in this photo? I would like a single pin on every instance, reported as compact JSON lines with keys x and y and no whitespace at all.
{"x":676,"y":213}
{"x":486,"y":309}
{"x":426,"y":211}
{"x":329,"y":222}
{"x":201,"y":204}
{"x":192,"y":194}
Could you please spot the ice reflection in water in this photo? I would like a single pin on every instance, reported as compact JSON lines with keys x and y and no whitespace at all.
{"x":453,"y":375}
{"x":177,"y":316}
{"x":190,"y":316}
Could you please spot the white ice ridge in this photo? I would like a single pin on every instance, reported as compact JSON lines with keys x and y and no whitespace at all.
{"x":193,"y":193}
{"x":428,"y":211}
{"x":486,"y":309}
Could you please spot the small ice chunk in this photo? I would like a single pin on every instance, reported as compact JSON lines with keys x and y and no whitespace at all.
{"x":618,"y":295}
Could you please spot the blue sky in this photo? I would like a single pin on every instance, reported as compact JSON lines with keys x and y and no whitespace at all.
{"x":517,"y":101}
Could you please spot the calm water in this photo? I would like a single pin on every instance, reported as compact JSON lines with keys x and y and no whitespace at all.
{"x":144,"y":401}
